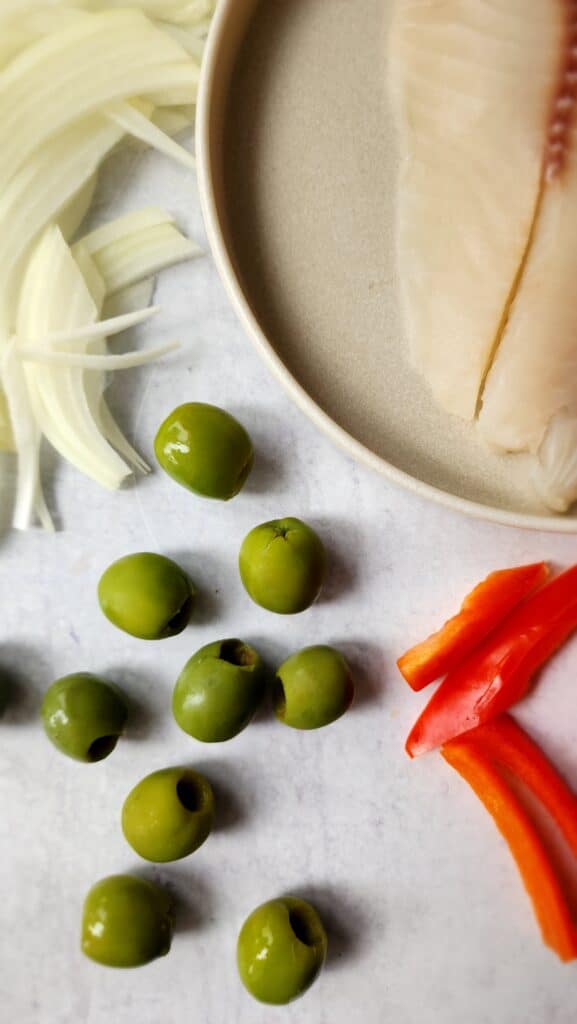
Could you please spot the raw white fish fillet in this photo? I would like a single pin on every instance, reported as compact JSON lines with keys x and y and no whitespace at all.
{"x":485,"y":93}
{"x":470,"y":87}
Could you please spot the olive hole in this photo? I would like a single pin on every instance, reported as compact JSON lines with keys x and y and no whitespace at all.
{"x":180,"y":620}
{"x":278,"y":696}
{"x":189,"y":794}
{"x":237,"y":653}
{"x":302,"y":927}
{"x":101,"y":748}
{"x":281,"y":531}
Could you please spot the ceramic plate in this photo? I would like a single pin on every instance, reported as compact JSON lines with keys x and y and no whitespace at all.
{"x":297,"y":168}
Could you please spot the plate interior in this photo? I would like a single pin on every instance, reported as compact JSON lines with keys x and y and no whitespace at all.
{"x":309,"y":170}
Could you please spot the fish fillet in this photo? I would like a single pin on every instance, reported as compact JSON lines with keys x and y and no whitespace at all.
{"x":485,"y":92}
{"x":470,"y":82}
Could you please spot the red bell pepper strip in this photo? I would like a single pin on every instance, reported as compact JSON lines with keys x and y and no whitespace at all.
{"x":481,"y":612}
{"x":499,"y":672}
{"x":474,"y":763}
{"x":510,"y":747}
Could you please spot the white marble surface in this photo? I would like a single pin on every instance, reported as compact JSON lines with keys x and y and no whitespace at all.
{"x":426,"y":915}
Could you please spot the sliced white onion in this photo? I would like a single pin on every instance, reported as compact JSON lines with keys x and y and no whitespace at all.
{"x":87,"y":332}
{"x":6,"y":433}
{"x":27,"y":439}
{"x":136,"y":124}
{"x":191,"y":13}
{"x":112,"y":432}
{"x":142,"y":254}
{"x":13,"y":40}
{"x":177,"y":11}
{"x":92,"y":276}
{"x":76,"y":76}
{"x":128,"y":224}
{"x":177,"y":92}
{"x":173,"y":120}
{"x":57,"y":295}
{"x":135,"y":296}
{"x":69,"y":74}
{"x":39,"y":192}
{"x":75,"y":211}
{"x":91,"y":361}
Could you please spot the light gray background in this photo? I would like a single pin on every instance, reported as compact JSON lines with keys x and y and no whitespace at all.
{"x":427,"y":918}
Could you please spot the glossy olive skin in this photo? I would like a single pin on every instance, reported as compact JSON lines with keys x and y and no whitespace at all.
{"x":126,"y":922}
{"x":205,"y":450}
{"x":218,"y":691}
{"x":281,"y":949}
{"x":169,"y":814}
{"x":146,"y":595}
{"x":312,"y":688}
{"x":282,"y":565}
{"x":84,"y":716}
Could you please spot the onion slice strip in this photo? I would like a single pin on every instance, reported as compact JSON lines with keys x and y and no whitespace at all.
{"x":91,"y":361}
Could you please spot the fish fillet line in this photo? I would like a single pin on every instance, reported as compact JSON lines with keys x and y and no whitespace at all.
{"x":515,"y":287}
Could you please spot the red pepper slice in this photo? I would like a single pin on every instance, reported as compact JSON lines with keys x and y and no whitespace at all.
{"x":510,"y":747}
{"x":481,"y":612}
{"x":499,"y":672}
{"x":472,"y":757}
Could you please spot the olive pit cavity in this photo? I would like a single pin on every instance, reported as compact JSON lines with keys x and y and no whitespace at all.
{"x":189,"y":794}
{"x":302,"y":926}
{"x":236,"y":653}
{"x":101,"y":747}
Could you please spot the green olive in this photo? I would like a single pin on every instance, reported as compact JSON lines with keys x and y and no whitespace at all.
{"x":282,"y":565}
{"x":146,"y":595}
{"x":205,"y":449}
{"x":312,"y":688}
{"x":127,"y":922}
{"x":84,"y":716}
{"x":281,"y":949}
{"x":169,"y":814}
{"x":218,"y":691}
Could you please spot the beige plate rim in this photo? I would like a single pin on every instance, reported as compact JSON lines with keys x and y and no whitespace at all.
{"x":304,"y":401}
